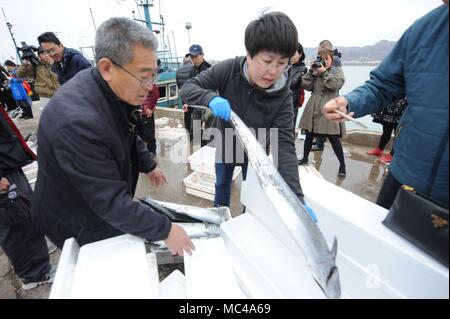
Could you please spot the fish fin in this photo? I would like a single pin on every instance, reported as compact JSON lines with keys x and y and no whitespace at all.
{"x":334,"y":249}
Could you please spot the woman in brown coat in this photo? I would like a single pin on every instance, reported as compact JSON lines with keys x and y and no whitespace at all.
{"x":324,"y":81}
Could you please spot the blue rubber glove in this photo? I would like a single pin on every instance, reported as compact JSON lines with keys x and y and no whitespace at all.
{"x":220,"y":108}
{"x":311,"y":213}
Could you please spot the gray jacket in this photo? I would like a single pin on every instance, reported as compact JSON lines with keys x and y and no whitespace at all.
{"x":323,"y":88}
{"x":259,"y":109}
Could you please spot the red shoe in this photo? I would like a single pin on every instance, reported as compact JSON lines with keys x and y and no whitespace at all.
{"x":385,"y":159}
{"x":375,"y":152}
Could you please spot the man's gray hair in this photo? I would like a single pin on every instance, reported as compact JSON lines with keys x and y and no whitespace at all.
{"x":116,"y":38}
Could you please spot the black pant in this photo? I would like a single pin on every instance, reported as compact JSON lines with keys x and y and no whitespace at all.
{"x":388,"y":128}
{"x":149,"y":133}
{"x":7,"y":100}
{"x":295,"y":118}
{"x":24,"y":245}
{"x":27,"y":111}
{"x":388,"y":191}
{"x":335,"y":143}
{"x":189,"y":117}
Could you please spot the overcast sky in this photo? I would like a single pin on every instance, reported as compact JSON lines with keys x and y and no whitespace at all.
{"x":217,"y":25}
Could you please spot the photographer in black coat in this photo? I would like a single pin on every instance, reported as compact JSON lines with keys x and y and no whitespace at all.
{"x":24,"y":245}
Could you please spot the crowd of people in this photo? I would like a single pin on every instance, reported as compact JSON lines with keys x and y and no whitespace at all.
{"x":97,"y":129}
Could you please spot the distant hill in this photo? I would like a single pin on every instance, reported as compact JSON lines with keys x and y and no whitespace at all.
{"x":370,"y":53}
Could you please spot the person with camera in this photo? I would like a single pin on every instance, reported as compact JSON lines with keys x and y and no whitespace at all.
{"x":324,"y":81}
{"x":40,"y":71}
{"x":67,"y":62}
{"x":319,"y":142}
{"x":21,"y":241}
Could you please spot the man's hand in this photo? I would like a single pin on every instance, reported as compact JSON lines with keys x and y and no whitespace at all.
{"x":157,"y":177}
{"x":149,"y":113}
{"x":185,"y":108}
{"x":340,"y":103}
{"x":178,"y":241}
{"x":4,"y":184}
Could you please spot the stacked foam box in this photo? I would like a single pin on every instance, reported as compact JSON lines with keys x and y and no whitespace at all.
{"x":201,"y":182}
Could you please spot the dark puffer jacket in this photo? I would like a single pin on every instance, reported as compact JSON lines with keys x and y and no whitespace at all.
{"x":73,"y":62}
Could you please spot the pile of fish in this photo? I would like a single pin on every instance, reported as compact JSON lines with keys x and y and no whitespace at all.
{"x":199,"y":223}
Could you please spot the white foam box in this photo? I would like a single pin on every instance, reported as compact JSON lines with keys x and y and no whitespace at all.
{"x":115,"y":268}
{"x":201,"y":185}
{"x":209,"y":273}
{"x":265,"y":268}
{"x":204,"y":161}
{"x":173,"y":287}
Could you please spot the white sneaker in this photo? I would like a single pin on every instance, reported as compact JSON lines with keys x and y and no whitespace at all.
{"x":46,"y":279}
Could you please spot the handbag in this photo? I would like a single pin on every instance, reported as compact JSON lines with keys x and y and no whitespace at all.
{"x":421,"y":221}
{"x":14,"y":208}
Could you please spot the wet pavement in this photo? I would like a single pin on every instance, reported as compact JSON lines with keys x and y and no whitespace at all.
{"x":364,"y":178}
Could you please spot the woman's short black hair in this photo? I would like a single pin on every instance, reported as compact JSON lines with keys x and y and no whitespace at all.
{"x":301,"y":52}
{"x":48,"y":37}
{"x":274,"y":32}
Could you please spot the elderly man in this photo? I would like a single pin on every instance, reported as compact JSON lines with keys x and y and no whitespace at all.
{"x":89,"y":153}
{"x":67,"y":62}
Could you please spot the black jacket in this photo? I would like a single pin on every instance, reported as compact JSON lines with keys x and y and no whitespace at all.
{"x":298,"y":70}
{"x":89,"y":156}
{"x":202,"y":67}
{"x":73,"y":62}
{"x":13,"y":155}
{"x":257,"y":108}
{"x":184,"y":74}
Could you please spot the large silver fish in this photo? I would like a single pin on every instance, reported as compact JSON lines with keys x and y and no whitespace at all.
{"x":216,"y":215}
{"x":301,"y":225}
{"x":196,"y":231}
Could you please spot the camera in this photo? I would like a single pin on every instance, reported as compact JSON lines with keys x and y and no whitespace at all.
{"x":318,"y":63}
{"x":28,"y":53}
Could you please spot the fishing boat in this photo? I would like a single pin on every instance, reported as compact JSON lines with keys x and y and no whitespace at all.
{"x":167,"y":85}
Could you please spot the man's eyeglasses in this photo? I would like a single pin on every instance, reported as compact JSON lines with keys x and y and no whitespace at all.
{"x":145,"y":83}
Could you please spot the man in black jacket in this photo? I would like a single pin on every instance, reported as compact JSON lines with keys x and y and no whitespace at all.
{"x":257,"y":88}
{"x":194,"y":117}
{"x":24,"y":245}
{"x":89,"y":153}
{"x":67,"y":62}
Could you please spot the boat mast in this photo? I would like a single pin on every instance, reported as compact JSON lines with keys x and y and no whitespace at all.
{"x":163,"y":53}
{"x":9,"y":26}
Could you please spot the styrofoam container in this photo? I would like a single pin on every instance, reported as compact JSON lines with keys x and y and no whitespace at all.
{"x":115,"y":268}
{"x":209,"y":273}
{"x":173,"y":287}
{"x":201,"y":185}
{"x":204,"y":161}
